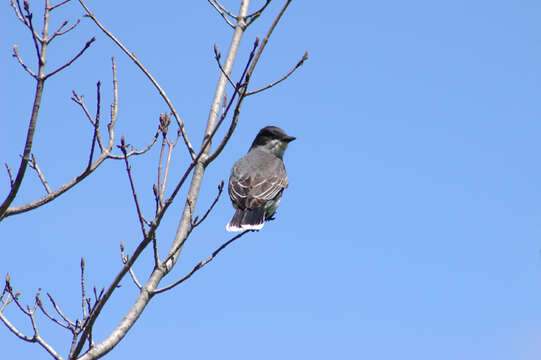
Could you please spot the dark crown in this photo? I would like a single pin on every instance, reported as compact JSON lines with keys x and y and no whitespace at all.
{"x":269,"y":133}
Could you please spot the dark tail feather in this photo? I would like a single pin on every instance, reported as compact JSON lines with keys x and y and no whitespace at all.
{"x":247,"y":219}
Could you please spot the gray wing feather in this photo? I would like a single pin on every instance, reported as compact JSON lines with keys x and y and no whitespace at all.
{"x":256,"y":178}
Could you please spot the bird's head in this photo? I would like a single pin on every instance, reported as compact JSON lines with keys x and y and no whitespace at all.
{"x":272,"y":139}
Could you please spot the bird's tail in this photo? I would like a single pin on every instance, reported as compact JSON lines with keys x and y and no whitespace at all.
{"x":247,"y":219}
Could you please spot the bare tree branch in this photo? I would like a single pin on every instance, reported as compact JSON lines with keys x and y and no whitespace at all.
{"x":142,"y":220}
{"x":10,"y":174}
{"x":134,"y":151}
{"x":106,"y":154}
{"x":35,"y":338}
{"x":41,"y":46}
{"x":242,"y":96}
{"x":83,"y":289}
{"x":240,"y":88}
{"x":25,"y":67}
{"x":18,"y":11}
{"x":13,"y":329}
{"x":124,"y":259}
{"x":303,"y":59}
{"x":82,"y":331}
{"x":253,"y":16}
{"x":147,"y":73}
{"x":80,"y":100}
{"x":67,"y":325}
{"x":223,"y":12}
{"x":96,"y":135}
{"x":159,"y":272}
{"x":34,"y":165}
{"x":51,"y":8}
{"x":201,"y":264}
{"x":35,"y":36}
{"x":35,"y":109}
{"x":220,"y":190}
{"x":165,"y":121}
{"x":157,"y":262}
{"x":58,"y":32}
{"x":217,"y":56}
{"x":174,"y":252}
{"x":87,"y":45}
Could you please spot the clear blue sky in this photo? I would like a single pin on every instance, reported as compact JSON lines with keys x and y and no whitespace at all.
{"x":411,"y":228}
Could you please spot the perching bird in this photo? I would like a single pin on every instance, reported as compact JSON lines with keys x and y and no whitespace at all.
{"x":258,"y":179}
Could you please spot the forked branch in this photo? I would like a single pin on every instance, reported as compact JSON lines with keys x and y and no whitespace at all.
{"x":148,"y":75}
{"x":41,"y":44}
{"x":301,"y":61}
{"x":30,"y":313}
{"x":224,"y":13}
{"x":202,"y":263}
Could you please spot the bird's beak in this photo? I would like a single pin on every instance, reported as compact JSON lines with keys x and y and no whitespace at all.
{"x":289,"y":139}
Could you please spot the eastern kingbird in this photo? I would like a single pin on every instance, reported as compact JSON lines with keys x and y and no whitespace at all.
{"x":258,"y":179}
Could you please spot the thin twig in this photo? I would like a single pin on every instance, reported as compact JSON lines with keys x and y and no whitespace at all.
{"x":223,"y":11}
{"x":80,"y":100}
{"x":303,"y":59}
{"x":10,"y":174}
{"x":125,"y":260}
{"x":34,"y":165}
{"x":57,"y":308}
{"x":87,"y":45}
{"x":5,"y":302}
{"x":18,"y":11}
{"x":134,"y":151}
{"x":157,"y":262}
{"x":220,"y":190}
{"x":16,"y":299}
{"x":35,"y":36}
{"x":59,"y":4}
{"x":165,"y":121}
{"x":201,"y":264}
{"x":142,"y":220}
{"x":26,"y":68}
{"x":50,"y":317}
{"x":96,"y":124}
{"x":253,"y":16}
{"x":83,"y":289}
{"x":266,"y":39}
{"x":149,"y":76}
{"x":57,"y":31}
{"x":114,"y":107}
{"x":217,"y":56}
{"x":36,"y":338}
{"x":239,"y":89}
{"x":60,"y":33}
{"x":170,"y":147}
{"x":14,"y":330}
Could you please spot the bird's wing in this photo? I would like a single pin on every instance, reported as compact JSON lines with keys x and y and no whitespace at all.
{"x":266,"y":188}
{"x":256,"y":188}
{"x":239,"y":190}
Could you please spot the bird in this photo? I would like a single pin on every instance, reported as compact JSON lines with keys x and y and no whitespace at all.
{"x":258,"y":179}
